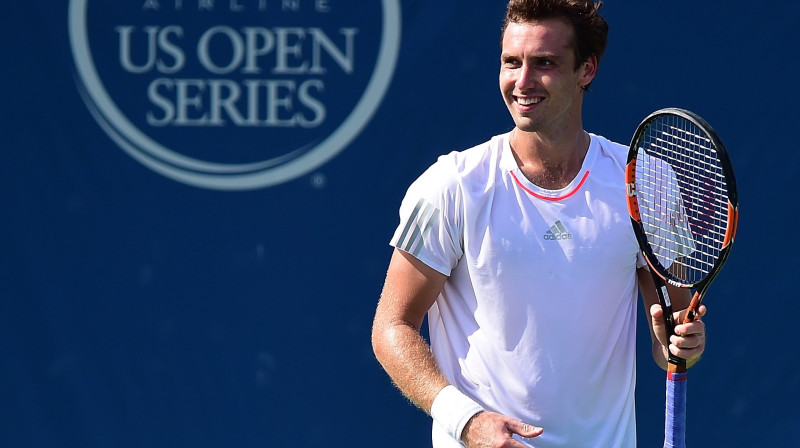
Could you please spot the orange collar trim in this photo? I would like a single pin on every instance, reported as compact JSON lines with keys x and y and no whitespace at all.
{"x":546,"y":198}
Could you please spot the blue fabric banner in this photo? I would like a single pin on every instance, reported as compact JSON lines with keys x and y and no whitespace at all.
{"x":197,"y":199}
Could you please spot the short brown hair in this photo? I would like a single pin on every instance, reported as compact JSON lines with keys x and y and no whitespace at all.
{"x":591,"y":29}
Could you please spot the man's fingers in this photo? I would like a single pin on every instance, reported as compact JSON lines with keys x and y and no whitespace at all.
{"x":680,"y":316}
{"x":492,"y":429}
{"x":658,"y":323}
{"x":525,"y":430}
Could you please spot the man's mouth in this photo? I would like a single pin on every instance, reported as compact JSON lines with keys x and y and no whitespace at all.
{"x":529,"y":101}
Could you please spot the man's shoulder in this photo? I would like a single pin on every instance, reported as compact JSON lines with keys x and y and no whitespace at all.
{"x":474,"y":164}
{"x":611,"y":149}
{"x":476,"y":157}
{"x":610,"y":144}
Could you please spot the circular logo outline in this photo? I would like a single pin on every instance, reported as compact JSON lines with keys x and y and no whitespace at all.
{"x":217,"y":176}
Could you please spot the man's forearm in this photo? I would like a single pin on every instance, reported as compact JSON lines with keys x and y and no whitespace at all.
{"x":407,"y":358}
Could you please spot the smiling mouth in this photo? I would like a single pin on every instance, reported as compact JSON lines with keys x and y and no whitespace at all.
{"x":529,"y":101}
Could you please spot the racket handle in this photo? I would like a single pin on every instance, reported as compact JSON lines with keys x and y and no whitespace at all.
{"x":675,"y":426}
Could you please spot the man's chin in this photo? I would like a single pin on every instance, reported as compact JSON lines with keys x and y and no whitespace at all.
{"x":526,"y":125}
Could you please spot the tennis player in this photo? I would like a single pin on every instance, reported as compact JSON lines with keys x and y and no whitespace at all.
{"x":521,"y":254}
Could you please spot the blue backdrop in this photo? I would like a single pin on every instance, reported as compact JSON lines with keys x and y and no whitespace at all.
{"x":197,"y":198}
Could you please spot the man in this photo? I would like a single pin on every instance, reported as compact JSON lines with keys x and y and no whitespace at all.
{"x":521,"y":254}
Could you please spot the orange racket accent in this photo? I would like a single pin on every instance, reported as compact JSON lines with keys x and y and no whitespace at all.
{"x":692,"y":309}
{"x":630,"y":191}
{"x":733,"y":223}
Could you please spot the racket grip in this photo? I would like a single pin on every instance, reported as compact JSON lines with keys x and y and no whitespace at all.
{"x":675,"y":418}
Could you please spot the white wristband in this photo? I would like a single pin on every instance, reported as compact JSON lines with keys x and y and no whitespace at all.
{"x":452,"y":410}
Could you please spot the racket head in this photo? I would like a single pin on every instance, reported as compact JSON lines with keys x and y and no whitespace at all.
{"x":682,"y":197}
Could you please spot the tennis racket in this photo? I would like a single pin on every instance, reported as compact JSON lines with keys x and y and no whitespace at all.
{"x":684,"y":209}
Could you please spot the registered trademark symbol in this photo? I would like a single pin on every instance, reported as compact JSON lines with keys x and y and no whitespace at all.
{"x":319,"y":181}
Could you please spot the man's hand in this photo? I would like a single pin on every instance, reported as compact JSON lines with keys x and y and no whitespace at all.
{"x":491,"y":430}
{"x":689,"y":340}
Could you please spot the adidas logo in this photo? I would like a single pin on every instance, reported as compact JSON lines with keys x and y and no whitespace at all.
{"x":557,"y":232}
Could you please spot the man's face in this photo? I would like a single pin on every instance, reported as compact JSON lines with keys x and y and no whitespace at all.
{"x":538,"y":80}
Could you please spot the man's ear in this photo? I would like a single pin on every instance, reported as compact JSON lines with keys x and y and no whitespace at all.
{"x":588,"y":71}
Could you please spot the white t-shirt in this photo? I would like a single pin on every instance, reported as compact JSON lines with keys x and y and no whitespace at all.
{"x":537,"y":319}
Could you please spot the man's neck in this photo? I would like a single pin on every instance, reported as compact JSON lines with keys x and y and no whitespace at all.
{"x":549,"y":162}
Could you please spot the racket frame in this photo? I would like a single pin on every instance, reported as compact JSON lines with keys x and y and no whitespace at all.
{"x":660,"y":273}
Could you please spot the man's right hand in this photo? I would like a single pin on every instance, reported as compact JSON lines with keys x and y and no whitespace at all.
{"x":492,"y":430}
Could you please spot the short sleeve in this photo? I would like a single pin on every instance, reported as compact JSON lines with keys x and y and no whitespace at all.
{"x":430,"y":225}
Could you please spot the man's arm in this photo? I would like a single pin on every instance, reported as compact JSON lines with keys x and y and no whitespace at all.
{"x":689,"y":341}
{"x":410,"y":290}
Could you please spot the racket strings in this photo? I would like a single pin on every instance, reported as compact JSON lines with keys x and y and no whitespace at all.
{"x":682,"y":196}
